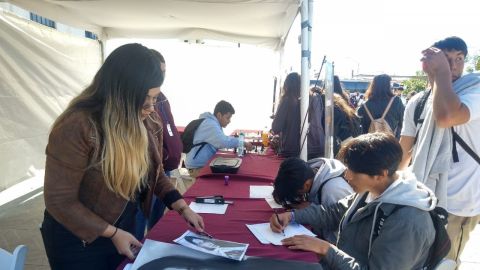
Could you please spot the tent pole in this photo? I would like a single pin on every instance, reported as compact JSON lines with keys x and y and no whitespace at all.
{"x":305,"y":71}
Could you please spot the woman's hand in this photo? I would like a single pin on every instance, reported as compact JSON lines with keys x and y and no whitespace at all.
{"x":126,"y":244}
{"x":194,"y":219}
{"x":308,"y":243}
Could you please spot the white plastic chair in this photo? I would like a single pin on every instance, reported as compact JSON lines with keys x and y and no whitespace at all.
{"x":446,"y":264}
{"x":15,"y":261}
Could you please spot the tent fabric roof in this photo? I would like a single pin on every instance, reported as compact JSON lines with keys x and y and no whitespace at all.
{"x":259,"y":22}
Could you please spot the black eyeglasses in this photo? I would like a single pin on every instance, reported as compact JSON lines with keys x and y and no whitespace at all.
{"x":295,"y":200}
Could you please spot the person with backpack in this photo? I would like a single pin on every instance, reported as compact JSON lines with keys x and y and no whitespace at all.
{"x":383,"y":111}
{"x":300,"y":184}
{"x":206,"y":137}
{"x":386,"y":224}
{"x":442,"y":131}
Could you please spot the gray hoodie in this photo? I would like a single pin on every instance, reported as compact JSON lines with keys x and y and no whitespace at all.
{"x":404,"y":239}
{"x":335,"y":188}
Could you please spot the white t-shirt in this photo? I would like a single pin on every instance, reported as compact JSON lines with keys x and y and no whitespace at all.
{"x":463,"y":187}
{"x":408,"y":127}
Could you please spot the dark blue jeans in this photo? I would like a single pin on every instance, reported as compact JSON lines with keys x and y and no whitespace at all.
{"x":156,"y":212}
{"x":66,"y":251}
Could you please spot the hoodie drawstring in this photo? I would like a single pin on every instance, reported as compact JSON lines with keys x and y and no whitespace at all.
{"x":373,"y":228}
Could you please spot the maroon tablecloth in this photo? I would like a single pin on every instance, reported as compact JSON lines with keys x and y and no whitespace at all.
{"x":231,"y":227}
{"x":253,"y":166}
{"x":255,"y":170}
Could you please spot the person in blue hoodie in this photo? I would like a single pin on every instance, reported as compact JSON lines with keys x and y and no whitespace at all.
{"x":211,"y":132}
{"x":300,"y":184}
{"x":382,"y":193}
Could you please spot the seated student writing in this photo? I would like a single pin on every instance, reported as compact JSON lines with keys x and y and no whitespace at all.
{"x":210,"y":131}
{"x":407,"y":233}
{"x":318,"y":181}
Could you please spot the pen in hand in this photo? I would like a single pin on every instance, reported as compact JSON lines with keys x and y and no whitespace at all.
{"x":278,"y":219}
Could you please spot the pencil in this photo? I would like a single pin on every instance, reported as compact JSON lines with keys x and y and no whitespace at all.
{"x":278,"y":219}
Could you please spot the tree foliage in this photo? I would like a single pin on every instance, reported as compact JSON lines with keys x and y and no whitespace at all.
{"x":417,"y":83}
{"x":472,"y":63}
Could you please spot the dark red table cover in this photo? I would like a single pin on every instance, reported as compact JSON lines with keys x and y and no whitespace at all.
{"x":255,"y":170}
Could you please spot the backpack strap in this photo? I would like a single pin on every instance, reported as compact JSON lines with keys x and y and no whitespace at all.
{"x":387,"y":108}
{"x":368,"y":112}
{"x":464,"y":145}
{"x":420,"y":106}
{"x":202,"y":144}
{"x":418,"y":112}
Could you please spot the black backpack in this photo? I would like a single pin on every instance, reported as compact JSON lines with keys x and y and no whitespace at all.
{"x":441,"y":245}
{"x":456,"y":138}
{"x":188,"y":135}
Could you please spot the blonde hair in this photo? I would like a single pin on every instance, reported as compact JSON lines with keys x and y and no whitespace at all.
{"x":114,"y":101}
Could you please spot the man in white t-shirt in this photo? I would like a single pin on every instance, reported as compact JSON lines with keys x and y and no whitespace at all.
{"x":444,"y":63}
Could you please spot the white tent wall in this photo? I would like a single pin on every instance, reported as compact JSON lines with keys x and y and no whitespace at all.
{"x":41,"y":69}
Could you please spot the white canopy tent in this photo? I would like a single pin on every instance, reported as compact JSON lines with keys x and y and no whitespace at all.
{"x":260,"y":22}
{"x":48,"y":57}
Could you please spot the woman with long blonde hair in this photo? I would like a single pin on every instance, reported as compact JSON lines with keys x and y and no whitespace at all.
{"x":104,"y":156}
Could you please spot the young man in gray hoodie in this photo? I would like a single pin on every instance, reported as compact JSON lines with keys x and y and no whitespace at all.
{"x":300,"y":184}
{"x":406,"y":233}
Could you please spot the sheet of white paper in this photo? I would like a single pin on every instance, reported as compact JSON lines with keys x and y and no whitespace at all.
{"x":257,"y":234}
{"x":273,"y":204}
{"x":152,"y":250}
{"x":128,"y":266}
{"x":260,"y":192}
{"x":207,"y":208}
{"x":263,"y":232}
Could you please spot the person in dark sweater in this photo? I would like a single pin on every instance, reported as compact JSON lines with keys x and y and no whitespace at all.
{"x":171,"y":155}
{"x":286,"y":122}
{"x":378,"y":95}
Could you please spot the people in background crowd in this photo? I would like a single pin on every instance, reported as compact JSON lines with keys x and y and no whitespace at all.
{"x":379,"y":95}
{"x":286,"y":122}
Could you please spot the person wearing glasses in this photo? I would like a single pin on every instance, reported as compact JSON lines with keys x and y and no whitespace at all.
{"x":104,"y":152}
{"x":301,"y":184}
{"x":404,"y":233}
{"x":171,"y":156}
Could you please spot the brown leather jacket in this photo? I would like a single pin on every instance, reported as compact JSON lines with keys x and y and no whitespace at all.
{"x":75,"y":192}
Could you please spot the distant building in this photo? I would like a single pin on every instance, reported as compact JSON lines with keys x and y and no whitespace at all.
{"x":351,"y":85}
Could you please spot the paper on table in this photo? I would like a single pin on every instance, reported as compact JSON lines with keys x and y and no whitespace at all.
{"x":273,"y":204}
{"x":260,"y":192}
{"x":152,"y":250}
{"x":207,"y":208}
{"x":257,"y":234}
{"x":263,"y":232}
